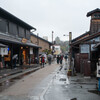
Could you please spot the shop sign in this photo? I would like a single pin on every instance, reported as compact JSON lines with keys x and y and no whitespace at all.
{"x":3,"y":51}
{"x":31,"y":50}
{"x":24,"y":40}
{"x":84,"y":48}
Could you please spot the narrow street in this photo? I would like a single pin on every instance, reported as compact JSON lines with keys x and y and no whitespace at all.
{"x":49,"y":50}
{"x":31,"y":85}
{"x":51,"y":83}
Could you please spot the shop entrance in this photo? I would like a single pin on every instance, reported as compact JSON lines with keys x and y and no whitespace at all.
{"x":25,"y":54}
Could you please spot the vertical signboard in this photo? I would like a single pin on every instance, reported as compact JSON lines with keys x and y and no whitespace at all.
{"x":31,"y":50}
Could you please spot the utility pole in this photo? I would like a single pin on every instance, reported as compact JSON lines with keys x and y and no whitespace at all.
{"x":52,"y":43}
{"x":70,"y":55}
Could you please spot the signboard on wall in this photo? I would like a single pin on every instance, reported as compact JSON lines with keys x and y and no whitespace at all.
{"x":24,"y":40}
{"x":84,"y":48}
{"x":31,"y":50}
{"x":3,"y":51}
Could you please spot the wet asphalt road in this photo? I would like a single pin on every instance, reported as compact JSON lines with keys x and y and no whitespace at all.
{"x":74,"y":88}
{"x":57,"y":86}
{"x":35,"y":82}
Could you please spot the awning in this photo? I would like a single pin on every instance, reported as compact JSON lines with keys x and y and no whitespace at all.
{"x":15,"y":40}
{"x":96,"y":45}
{"x":2,"y":45}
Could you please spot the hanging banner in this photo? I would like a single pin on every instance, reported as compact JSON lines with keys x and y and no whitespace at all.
{"x":31,"y":50}
{"x":3,"y":51}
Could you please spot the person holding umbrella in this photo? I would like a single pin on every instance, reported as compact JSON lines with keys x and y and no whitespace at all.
{"x":43,"y":60}
{"x":49,"y":59}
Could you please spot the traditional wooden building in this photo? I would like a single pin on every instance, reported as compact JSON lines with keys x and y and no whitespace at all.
{"x":15,"y":34}
{"x":44,"y":44}
{"x":85,"y":47}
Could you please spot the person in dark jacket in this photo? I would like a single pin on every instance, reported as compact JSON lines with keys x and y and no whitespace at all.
{"x":49,"y":59}
{"x":65,"y":58}
{"x":58,"y":59}
{"x":61,"y":59}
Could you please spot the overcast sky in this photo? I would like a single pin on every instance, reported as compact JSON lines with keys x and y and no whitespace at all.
{"x":60,"y":16}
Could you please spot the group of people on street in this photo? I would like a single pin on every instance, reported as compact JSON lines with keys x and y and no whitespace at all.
{"x":43,"y":59}
{"x":59,"y":59}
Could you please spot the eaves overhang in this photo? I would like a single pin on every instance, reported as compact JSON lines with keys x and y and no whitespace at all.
{"x":77,"y":42}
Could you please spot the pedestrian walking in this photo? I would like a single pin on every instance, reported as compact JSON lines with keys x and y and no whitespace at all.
{"x":61,"y":59}
{"x":22,"y":59}
{"x":43,"y":61}
{"x":65,"y":58}
{"x":36,"y":60}
{"x":15,"y":58}
{"x":49,"y":59}
{"x":58,"y":58}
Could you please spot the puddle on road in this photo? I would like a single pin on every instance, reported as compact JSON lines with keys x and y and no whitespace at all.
{"x":60,"y":79}
{"x":6,"y":84}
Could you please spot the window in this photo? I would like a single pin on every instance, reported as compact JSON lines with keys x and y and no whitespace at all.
{"x":21,"y":32}
{"x":27,"y":34}
{"x":3,"y":25}
{"x":7,"y":27}
{"x":13,"y":29}
{"x":97,"y":15}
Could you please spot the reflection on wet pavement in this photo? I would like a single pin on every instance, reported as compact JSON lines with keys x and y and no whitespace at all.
{"x":59,"y":88}
{"x":73,"y":88}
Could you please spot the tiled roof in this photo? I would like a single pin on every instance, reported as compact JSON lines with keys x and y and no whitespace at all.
{"x":9,"y":16}
{"x":10,"y":39}
{"x":93,"y":11}
{"x":41,"y":38}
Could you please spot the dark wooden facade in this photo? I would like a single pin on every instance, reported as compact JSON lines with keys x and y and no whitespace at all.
{"x":15,"y":33}
{"x":85,"y":55}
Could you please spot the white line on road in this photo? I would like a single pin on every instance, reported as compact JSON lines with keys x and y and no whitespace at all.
{"x":43,"y":93}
